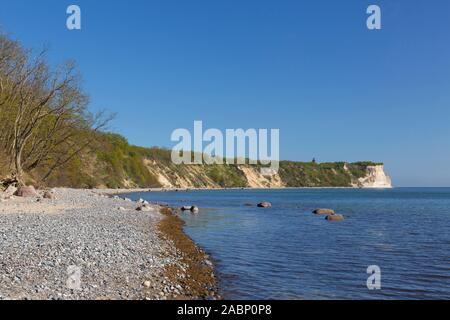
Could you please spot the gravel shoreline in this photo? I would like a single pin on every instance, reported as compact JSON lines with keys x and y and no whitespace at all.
{"x":86,"y":245}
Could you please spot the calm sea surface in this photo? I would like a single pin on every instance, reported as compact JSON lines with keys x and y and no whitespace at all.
{"x":287,"y":252}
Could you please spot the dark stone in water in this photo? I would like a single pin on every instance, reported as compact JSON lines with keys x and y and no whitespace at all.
{"x":193,"y":209}
{"x":264,"y":205}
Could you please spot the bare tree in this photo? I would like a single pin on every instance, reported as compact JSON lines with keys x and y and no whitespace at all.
{"x":13,"y":59}
{"x":45,"y":118}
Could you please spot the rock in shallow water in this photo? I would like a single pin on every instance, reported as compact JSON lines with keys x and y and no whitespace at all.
{"x":324,"y":211}
{"x":195,"y":209}
{"x":335,"y":217}
{"x":264,"y":205}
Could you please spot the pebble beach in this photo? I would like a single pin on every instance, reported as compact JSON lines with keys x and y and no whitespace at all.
{"x":90,"y":245}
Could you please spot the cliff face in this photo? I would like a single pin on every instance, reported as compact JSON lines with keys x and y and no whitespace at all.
{"x":376,"y":177}
{"x":120,"y":165}
{"x":290,"y":175}
{"x":151,"y":173}
{"x":196,"y":176}
{"x":256,"y":180}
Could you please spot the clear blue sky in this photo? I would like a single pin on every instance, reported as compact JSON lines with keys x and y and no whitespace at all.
{"x":336,"y":90}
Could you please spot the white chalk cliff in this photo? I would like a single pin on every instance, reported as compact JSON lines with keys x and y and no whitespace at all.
{"x":199,"y":176}
{"x":376,"y":178}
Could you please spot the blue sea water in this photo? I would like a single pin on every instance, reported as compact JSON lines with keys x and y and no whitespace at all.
{"x":286,"y":252}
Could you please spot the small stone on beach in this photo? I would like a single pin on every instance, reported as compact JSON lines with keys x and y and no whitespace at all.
{"x":144,"y":208}
{"x":49,"y":195}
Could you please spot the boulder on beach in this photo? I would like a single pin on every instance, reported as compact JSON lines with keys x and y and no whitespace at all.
{"x":144,"y":207}
{"x":49,"y":195}
{"x":324,"y":211}
{"x":26,"y":192}
{"x":10,"y":190}
{"x":264,"y":205}
{"x":335,"y":217}
{"x":142,"y":201}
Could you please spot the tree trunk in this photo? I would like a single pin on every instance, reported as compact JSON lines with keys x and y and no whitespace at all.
{"x":18,"y":171}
